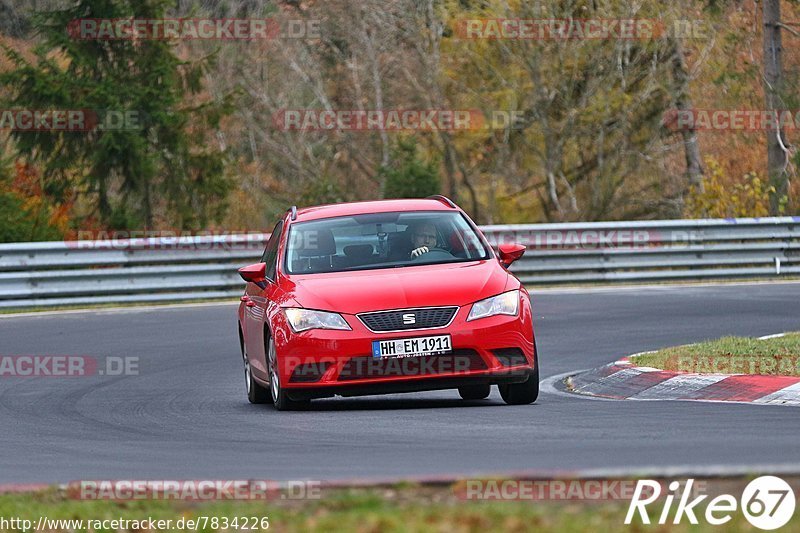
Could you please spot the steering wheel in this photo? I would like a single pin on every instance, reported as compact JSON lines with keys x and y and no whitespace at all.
{"x":433,"y":254}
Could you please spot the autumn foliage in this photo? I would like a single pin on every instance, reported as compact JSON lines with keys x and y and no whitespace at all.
{"x":574,"y":129}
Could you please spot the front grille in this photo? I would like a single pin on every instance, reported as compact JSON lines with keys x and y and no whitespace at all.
{"x":458,"y":361}
{"x":424,"y":317}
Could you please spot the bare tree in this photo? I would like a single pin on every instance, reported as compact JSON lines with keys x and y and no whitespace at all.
{"x":777,"y":151}
{"x":683,"y":103}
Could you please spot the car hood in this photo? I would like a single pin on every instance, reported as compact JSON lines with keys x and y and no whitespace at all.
{"x":397,"y":288}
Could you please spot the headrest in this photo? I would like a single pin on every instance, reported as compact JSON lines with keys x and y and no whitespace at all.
{"x":360,"y":251}
{"x":314,"y":243}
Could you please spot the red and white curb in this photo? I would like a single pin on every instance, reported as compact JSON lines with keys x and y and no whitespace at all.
{"x":623,"y":380}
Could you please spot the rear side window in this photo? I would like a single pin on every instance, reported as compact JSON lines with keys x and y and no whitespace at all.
{"x":270,"y":256}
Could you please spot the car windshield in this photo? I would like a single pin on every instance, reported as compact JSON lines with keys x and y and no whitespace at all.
{"x":382,"y":240}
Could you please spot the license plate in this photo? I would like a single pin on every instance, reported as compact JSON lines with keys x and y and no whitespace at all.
{"x":413,"y":347}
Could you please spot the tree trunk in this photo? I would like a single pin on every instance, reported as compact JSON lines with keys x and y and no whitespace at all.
{"x":691,"y":148}
{"x":773,"y":80}
{"x":104,"y":206}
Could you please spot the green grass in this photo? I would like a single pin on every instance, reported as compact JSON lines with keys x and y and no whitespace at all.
{"x":367,"y":510}
{"x":730,"y":355}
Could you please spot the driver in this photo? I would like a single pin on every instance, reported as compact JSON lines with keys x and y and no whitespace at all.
{"x":423,"y":238}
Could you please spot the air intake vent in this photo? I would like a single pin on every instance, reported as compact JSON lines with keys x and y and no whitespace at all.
{"x":308,"y":372}
{"x":510,"y":356}
{"x":458,"y":361}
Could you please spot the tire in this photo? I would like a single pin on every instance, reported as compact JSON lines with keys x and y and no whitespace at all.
{"x":521,"y":393}
{"x":526,"y":392}
{"x":278,"y":395}
{"x":475,"y":392}
{"x":255,"y":392}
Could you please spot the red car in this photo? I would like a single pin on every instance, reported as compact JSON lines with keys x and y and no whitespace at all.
{"x":384,"y":297}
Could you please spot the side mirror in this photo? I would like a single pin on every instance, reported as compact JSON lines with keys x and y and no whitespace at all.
{"x":510,"y":253}
{"x":256,"y":273}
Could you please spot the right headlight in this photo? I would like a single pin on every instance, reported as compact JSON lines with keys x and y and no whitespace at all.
{"x":506,"y":303}
{"x":305,"y":319}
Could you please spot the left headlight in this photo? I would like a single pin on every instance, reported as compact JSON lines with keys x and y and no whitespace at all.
{"x":502,"y":304}
{"x":304,"y":319}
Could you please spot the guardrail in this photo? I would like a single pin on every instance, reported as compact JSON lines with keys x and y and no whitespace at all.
{"x":190,"y":268}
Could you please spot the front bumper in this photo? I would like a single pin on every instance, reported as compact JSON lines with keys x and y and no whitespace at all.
{"x":319,"y":363}
{"x":395,"y":386}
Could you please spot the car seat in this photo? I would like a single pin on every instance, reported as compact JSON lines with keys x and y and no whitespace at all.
{"x":315,"y":251}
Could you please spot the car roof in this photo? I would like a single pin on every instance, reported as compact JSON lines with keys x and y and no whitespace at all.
{"x":377,"y":206}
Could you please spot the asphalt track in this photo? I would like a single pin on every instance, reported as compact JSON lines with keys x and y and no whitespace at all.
{"x":185,"y":415}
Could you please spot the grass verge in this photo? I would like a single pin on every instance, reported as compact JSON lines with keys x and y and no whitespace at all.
{"x":380,"y":509}
{"x":779,"y":356}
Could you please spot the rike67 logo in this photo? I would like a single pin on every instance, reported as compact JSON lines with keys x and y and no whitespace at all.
{"x":767,"y":502}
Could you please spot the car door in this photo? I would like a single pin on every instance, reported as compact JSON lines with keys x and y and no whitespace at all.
{"x":260,"y":299}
